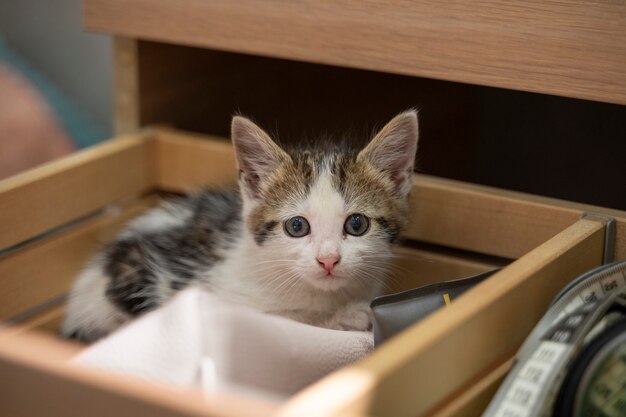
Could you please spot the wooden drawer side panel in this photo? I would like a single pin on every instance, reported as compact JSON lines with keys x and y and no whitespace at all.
{"x":186,"y":162}
{"x":472,"y":401}
{"x":419,"y":370}
{"x":495,"y":221}
{"x":62,"y":191}
{"x":46,"y":269}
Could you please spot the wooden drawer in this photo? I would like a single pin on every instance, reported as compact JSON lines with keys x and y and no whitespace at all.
{"x":53,"y":217}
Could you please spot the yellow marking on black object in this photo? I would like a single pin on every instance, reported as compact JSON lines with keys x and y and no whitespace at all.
{"x":446,"y":298}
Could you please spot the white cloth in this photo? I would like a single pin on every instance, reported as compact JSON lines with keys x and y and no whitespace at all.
{"x":198,"y":339}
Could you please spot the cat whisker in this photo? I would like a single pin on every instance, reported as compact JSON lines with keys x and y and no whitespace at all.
{"x":282,"y":277}
{"x":393,"y":279}
{"x":273,"y":260}
{"x":287,"y":284}
{"x":276,"y":278}
{"x":400,"y":268}
{"x":389,"y":278}
{"x":294,"y":286}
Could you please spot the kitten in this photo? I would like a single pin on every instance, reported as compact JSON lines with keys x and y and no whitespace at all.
{"x":307,"y":235}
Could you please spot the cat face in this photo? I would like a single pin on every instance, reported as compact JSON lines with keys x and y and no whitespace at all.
{"x":326,"y":217}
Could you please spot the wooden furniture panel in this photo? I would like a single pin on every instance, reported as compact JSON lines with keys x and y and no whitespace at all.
{"x":48,"y":320}
{"x":473,"y":400}
{"x":44,"y":270}
{"x":65,"y":190}
{"x":413,"y":267}
{"x":126,"y":85}
{"x":186,"y":162}
{"x":495,"y":221}
{"x":567,"y":48}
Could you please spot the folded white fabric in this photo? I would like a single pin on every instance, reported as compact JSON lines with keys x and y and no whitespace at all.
{"x":198,"y":339}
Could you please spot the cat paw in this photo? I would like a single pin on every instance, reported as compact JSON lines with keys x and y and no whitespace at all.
{"x":354,"y":316}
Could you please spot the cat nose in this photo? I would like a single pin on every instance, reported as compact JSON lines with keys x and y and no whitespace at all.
{"x":328,"y":262}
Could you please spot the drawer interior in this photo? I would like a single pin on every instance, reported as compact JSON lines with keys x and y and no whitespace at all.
{"x":457,"y":230}
{"x":467,"y":132}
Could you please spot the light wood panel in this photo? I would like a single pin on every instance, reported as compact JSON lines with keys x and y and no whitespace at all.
{"x":494,"y":221}
{"x":49,"y":320}
{"x":36,"y":384}
{"x":185,"y":162}
{"x":445,"y":212}
{"x":41,"y":271}
{"x":66,"y":189}
{"x":418,"y":370}
{"x":55,"y":350}
{"x":473,"y":401}
{"x":561,"y":47}
{"x":416,"y":267}
{"x":126,"y":85}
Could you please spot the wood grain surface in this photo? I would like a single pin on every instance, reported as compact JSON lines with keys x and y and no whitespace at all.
{"x":185,"y":161}
{"x":44,"y":270}
{"x":472,"y":401}
{"x":126,"y":85}
{"x":494,"y":221}
{"x":414,"y":267}
{"x":562,"y":47}
{"x":64,"y":190}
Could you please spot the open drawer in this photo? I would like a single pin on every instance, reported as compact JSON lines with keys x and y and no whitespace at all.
{"x":54,"y":217}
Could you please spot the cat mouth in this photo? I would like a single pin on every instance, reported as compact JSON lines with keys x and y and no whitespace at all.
{"x":329,"y":275}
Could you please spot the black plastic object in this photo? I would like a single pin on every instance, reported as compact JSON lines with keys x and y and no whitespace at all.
{"x":395,"y":312}
{"x":584,"y":378}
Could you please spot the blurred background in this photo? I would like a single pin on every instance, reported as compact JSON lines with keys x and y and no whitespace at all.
{"x":56,"y":96}
{"x":55,"y":83}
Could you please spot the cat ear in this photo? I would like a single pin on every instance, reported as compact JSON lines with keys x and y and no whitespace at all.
{"x":392,"y":150}
{"x":257,"y":154}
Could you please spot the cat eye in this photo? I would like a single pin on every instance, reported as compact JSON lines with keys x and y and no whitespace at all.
{"x":297,"y":227}
{"x":356,"y":224}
